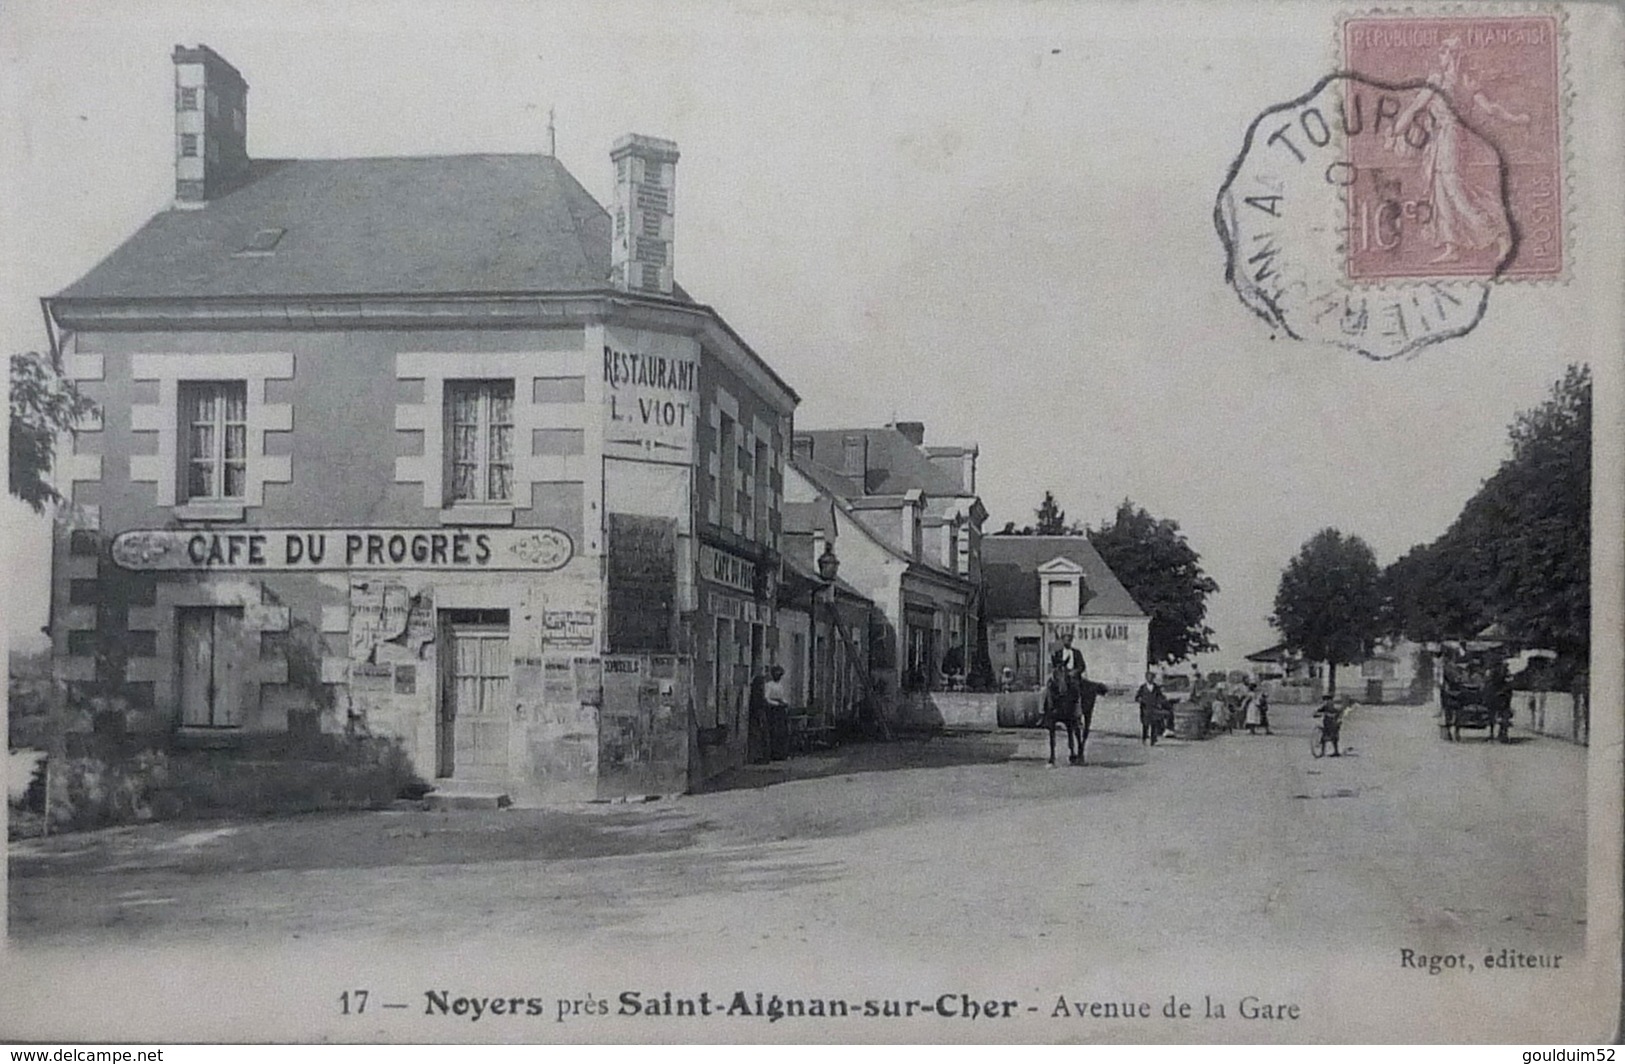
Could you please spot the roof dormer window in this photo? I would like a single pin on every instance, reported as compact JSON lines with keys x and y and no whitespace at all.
{"x":263,"y":242}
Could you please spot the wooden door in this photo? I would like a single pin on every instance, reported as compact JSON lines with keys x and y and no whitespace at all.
{"x":474,"y":719}
{"x":211,"y":651}
{"x":1028,"y":671}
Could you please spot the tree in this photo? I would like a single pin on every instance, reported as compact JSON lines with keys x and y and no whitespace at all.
{"x":44,"y":404}
{"x":1051,"y":521}
{"x":1329,"y":604}
{"x":1051,"y":518}
{"x":1163,"y":574}
{"x":1519,"y":554}
{"x":1536,"y":513}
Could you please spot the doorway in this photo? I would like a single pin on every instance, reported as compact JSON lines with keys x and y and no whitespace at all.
{"x":471,"y":734}
{"x":1028,"y":672}
{"x":211,"y":659}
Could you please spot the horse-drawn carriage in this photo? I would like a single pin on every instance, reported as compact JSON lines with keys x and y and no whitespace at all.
{"x":1475,"y":692}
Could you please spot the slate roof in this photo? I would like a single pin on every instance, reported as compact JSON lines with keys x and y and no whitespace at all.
{"x":826,"y":479}
{"x":895,"y":464}
{"x":453,"y":224}
{"x":805,"y":518}
{"x":1010,"y":573}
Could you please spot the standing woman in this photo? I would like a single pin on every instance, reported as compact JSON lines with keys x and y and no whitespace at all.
{"x":1251,"y":715}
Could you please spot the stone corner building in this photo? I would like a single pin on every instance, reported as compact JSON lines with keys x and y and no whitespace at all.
{"x":432,"y":447}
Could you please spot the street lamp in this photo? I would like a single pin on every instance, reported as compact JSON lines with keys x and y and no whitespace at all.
{"x":828,"y":567}
{"x":828,"y":564}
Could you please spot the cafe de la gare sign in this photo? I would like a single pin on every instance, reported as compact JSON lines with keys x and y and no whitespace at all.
{"x":325,"y":549}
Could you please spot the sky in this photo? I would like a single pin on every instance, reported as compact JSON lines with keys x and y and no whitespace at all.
{"x":995,"y":218}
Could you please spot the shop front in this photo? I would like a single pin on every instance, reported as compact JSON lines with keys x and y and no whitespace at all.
{"x":737,"y":639}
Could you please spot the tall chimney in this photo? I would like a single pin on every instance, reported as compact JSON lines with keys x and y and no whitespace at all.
{"x":645,"y":214}
{"x":211,"y":125}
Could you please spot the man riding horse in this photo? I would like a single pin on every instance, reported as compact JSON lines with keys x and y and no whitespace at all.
{"x":1069,"y":700}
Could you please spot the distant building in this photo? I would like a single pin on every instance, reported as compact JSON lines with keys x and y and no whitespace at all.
{"x":434,"y":447}
{"x":910,"y":525}
{"x":1397,"y":670}
{"x":825,"y":627}
{"x":1040,"y":588}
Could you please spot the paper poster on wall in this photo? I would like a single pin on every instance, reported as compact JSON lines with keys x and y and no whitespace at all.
{"x":589,"y":677}
{"x":378,"y":614}
{"x":570,"y":627}
{"x":558,"y":682}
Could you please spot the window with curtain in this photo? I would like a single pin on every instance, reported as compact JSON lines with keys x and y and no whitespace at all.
{"x":480,"y":440}
{"x":214,"y":416}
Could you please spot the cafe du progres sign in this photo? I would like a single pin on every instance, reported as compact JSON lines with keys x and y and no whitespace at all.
{"x":328,"y":549}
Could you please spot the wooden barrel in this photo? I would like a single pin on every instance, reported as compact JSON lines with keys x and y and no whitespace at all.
{"x":1020,"y":709}
{"x":1189,"y":720}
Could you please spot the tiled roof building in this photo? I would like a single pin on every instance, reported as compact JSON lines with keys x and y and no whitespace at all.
{"x":435,"y":445}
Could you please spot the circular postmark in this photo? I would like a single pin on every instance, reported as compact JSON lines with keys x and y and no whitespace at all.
{"x":1367,"y":217}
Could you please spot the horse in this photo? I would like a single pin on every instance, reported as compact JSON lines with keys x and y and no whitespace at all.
{"x":1069,"y":699}
{"x":1061,"y":697}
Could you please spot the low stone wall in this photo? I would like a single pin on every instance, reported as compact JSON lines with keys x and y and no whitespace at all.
{"x":1284,"y":694}
{"x":1554,"y":713}
{"x":975,"y":710}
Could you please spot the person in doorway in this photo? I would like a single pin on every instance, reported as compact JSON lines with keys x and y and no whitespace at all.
{"x":1150,"y":699}
{"x":760,"y":738}
{"x":953,"y":667}
{"x":778,"y":714}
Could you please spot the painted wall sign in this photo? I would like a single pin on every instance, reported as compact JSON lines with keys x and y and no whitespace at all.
{"x":734,"y":608}
{"x":1089,"y":631}
{"x":729,"y":570}
{"x":329,"y":549}
{"x":651,"y":391}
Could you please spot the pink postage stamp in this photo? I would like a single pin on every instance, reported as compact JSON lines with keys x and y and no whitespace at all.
{"x":1467,"y":181}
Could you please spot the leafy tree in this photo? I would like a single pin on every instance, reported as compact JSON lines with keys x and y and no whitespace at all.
{"x":1329,"y":604}
{"x":1536,"y":511}
{"x":1163,"y":574}
{"x":44,"y":404}
{"x":1519,"y":555}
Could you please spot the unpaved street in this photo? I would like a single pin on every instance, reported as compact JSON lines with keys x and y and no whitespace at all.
{"x":1237,"y":838}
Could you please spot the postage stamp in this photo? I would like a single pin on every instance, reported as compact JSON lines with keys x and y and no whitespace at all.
{"x":1281,"y":217}
{"x":1467,"y":180}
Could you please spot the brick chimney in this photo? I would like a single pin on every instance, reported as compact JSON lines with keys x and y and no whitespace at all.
{"x":211,"y":126}
{"x":645,"y":214}
{"x":958,"y":463}
{"x":913,"y":431}
{"x":801,"y":446}
{"x":855,"y":459}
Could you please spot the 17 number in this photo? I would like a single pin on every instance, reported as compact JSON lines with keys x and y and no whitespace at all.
{"x":359,"y":997}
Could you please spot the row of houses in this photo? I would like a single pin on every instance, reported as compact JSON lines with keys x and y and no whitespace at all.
{"x":438,"y":448}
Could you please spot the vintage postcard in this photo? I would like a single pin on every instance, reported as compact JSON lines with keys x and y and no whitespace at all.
{"x":813,"y":522}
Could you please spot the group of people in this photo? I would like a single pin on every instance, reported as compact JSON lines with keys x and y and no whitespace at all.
{"x":1224,"y":707}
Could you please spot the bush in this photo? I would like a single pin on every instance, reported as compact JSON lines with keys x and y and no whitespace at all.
{"x":100,"y":791}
